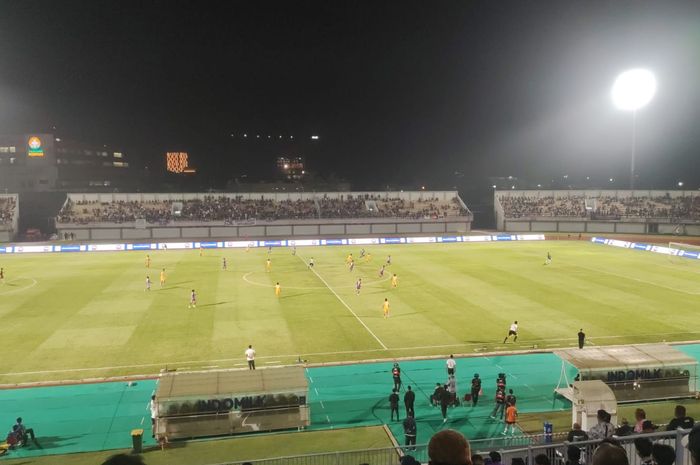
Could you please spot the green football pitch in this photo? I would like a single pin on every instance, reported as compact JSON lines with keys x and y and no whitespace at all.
{"x":83,"y":315}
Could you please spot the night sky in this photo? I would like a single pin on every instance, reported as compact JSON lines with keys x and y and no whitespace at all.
{"x":400,"y":93}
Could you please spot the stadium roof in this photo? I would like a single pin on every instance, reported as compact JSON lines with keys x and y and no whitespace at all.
{"x":623,"y":357}
{"x":184,"y":386}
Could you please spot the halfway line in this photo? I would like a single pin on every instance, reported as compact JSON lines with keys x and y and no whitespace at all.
{"x":343,"y":302}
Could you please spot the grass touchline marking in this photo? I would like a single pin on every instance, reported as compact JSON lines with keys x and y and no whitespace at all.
{"x":343,"y":302}
{"x":194,"y":362}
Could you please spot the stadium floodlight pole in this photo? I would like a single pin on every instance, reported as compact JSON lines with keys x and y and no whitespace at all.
{"x":631,"y":91}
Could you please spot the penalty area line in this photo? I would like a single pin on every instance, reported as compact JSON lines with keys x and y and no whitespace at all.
{"x":345,"y":304}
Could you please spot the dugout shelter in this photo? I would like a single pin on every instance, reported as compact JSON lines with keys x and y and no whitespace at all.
{"x":214,"y":403}
{"x":634,"y":372}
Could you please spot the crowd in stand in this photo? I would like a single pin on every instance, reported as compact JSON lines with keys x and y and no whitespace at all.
{"x":679,"y":208}
{"x":233,"y":209}
{"x":7,"y":210}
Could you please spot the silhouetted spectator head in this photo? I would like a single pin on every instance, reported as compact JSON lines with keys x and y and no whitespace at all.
{"x":409,"y":460}
{"x":694,"y":444}
{"x":541,"y":459}
{"x":663,"y":454}
{"x":495,"y":457}
{"x":573,"y":454}
{"x":648,"y":426}
{"x":517,"y":461}
{"x":477,"y":459}
{"x":124,"y":459}
{"x":640,"y":414}
{"x":609,"y":454}
{"x":679,"y":411}
{"x":643,"y":446}
{"x":449,"y":447}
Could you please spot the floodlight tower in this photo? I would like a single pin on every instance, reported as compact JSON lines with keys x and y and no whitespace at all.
{"x":631,"y":91}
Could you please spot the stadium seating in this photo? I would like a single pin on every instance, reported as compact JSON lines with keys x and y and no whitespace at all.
{"x":238,"y":208}
{"x":602,"y":206}
{"x":7,"y":209}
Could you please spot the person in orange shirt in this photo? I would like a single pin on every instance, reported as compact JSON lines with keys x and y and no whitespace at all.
{"x":278,"y":289}
{"x":511,"y":416}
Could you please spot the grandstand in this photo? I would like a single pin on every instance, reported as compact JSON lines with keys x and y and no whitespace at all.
{"x":8,"y":216}
{"x":153,"y":216}
{"x":599,"y":211}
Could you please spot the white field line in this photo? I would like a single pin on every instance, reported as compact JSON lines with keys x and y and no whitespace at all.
{"x":345,"y":304}
{"x":675,"y":289}
{"x":570,"y":340}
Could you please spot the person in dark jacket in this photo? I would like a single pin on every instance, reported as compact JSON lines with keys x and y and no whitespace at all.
{"x":510,"y":398}
{"x":394,"y":404}
{"x":396,"y":375}
{"x":410,"y":431}
{"x":445,"y":400}
{"x":500,"y":400}
{"x":437,"y":394}
{"x":577,"y":434}
{"x":680,"y":420}
{"x":476,"y":389}
{"x":408,"y":399}
{"x":581,"y":338}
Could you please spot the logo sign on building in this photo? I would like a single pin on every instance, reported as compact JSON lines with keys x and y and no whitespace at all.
{"x":35,"y":148}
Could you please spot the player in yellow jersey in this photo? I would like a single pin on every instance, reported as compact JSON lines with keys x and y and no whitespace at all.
{"x":162,"y":277}
{"x":278,"y":289}
{"x":394,"y":281}
{"x":368,"y":257}
{"x":268,"y":265}
{"x":201,"y":251}
{"x":348,"y":259}
{"x":148,"y":261}
{"x":385,"y":307}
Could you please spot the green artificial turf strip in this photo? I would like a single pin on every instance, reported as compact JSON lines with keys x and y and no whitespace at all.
{"x":237,"y":449}
{"x":80,"y":315}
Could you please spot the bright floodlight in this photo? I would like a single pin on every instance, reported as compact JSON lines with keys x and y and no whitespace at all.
{"x":633,"y":89}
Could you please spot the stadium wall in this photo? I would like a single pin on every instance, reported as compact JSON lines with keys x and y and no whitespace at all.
{"x":271,"y":229}
{"x":597,"y":226}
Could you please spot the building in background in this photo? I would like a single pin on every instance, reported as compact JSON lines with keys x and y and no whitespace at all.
{"x":291,"y":169}
{"x":42,"y":162}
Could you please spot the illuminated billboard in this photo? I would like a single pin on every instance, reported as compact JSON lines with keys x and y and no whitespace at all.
{"x":35,"y":147}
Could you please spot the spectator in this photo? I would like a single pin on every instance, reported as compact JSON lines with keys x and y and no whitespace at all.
{"x":648,"y":426}
{"x":694,"y":444}
{"x":542,"y":459}
{"x":609,"y":454}
{"x":410,"y":431}
{"x":124,"y":459}
{"x":603,"y":429}
{"x":639,"y":416}
{"x":495,"y":458}
{"x":663,"y":454}
{"x":680,"y":420}
{"x":573,"y":455}
{"x":624,"y":429}
{"x":477,"y":459}
{"x":409,"y":460}
{"x":24,"y":433}
{"x":448,"y":447}
{"x":643,"y":447}
{"x":517,"y":461}
{"x":577,"y":434}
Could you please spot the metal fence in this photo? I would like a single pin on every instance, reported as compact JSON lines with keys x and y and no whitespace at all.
{"x":522,"y":447}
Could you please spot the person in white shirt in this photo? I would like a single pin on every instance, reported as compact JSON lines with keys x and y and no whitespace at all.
{"x":451,"y":364}
{"x":513,"y":331}
{"x":250,"y":357}
{"x":153,"y":407}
